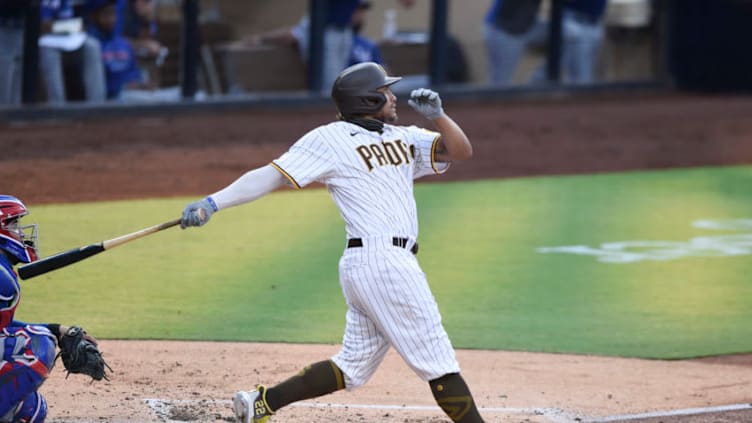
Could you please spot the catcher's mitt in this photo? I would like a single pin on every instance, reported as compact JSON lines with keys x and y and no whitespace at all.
{"x":81,"y":355}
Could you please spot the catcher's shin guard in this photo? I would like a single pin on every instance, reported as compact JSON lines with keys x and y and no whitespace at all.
{"x":28,"y":354}
{"x":33,"y":409}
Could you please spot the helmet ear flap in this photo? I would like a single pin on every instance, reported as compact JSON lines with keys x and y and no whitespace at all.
{"x":373,"y":102}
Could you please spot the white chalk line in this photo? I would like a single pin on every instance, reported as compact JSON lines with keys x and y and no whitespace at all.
{"x":673,"y":413}
{"x":162,"y":407}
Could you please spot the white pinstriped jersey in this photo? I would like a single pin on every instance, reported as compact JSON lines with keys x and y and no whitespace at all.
{"x":389,"y":303}
{"x":369,"y":175}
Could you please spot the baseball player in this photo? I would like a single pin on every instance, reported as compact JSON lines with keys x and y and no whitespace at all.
{"x":28,"y":350}
{"x":368,"y":165}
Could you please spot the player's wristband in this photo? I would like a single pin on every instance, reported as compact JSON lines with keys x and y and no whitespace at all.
{"x":212,"y":203}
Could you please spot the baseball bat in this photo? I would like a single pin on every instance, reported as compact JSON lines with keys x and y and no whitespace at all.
{"x":75,"y":255}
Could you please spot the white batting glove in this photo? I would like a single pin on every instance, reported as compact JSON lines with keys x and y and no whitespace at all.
{"x":198,"y":213}
{"x":426,"y":102}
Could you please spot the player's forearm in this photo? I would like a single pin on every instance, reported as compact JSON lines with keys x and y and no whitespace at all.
{"x":455,"y":141}
{"x":251,"y":186}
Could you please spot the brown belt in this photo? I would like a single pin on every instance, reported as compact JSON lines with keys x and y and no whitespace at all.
{"x":396,"y":241}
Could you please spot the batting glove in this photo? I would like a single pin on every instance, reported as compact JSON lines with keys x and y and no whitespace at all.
{"x":198,"y":213}
{"x":426,"y":102}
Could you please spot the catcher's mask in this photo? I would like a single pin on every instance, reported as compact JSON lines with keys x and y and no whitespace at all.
{"x":18,"y":241}
{"x":355,"y":91}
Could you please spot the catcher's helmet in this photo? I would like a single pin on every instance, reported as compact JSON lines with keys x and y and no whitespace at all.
{"x":18,"y":241}
{"x":355,"y":89}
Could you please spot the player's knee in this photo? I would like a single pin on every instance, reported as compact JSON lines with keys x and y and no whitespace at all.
{"x":357,"y":369}
{"x":43,"y":345}
{"x":353,"y":383}
{"x":33,"y":409}
{"x":354,"y":376}
{"x":31,"y":347}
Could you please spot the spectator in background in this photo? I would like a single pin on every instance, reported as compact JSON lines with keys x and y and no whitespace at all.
{"x":342,"y":45}
{"x":12,"y":15}
{"x":363,"y":49}
{"x":583,"y":36}
{"x":117,"y":52}
{"x":140,"y":21}
{"x":338,"y":39}
{"x":140,"y":28}
{"x":125,"y":80}
{"x":510,"y":27}
{"x":55,"y":51}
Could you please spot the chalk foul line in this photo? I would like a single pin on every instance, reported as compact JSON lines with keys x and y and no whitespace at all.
{"x":672,"y":413}
{"x":162,"y":408}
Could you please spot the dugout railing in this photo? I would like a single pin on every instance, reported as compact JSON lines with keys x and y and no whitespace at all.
{"x":675,"y":63}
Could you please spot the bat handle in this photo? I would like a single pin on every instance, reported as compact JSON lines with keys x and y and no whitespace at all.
{"x":112,"y":243}
{"x":169,"y":224}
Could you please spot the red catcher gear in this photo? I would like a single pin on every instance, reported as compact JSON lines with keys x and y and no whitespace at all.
{"x":10,"y":295}
{"x":18,"y":241}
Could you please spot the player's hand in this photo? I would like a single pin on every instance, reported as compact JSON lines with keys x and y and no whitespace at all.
{"x":197,"y":213}
{"x":426,"y":102}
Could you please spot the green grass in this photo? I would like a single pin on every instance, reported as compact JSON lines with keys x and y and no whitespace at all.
{"x":268,"y":271}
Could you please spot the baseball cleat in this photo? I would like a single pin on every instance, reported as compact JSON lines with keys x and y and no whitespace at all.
{"x":251,"y":406}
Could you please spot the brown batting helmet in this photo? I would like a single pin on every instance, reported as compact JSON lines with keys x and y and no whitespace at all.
{"x":355,"y":92}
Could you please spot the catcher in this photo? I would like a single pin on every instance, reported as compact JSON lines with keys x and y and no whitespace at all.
{"x":28,"y":350}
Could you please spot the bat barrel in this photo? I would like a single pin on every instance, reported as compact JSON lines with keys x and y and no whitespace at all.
{"x":65,"y":258}
{"x":58,"y":260}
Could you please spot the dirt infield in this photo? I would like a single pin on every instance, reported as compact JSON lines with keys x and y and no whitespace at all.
{"x":509,"y":386}
{"x":195,"y":153}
